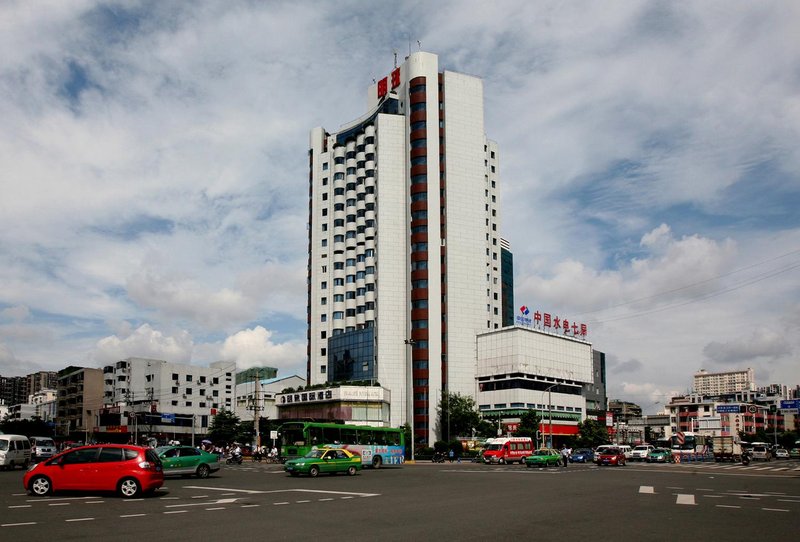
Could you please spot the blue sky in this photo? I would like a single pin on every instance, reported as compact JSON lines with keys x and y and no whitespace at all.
{"x":153,"y":192}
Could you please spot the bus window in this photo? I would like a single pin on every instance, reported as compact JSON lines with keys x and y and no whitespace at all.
{"x":315,"y":437}
{"x":331,"y":435}
{"x":292,"y":436}
{"x":365,"y":436}
{"x":348,"y":436}
{"x":380,"y":438}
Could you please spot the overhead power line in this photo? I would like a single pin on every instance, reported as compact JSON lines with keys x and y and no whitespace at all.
{"x":694,"y":284}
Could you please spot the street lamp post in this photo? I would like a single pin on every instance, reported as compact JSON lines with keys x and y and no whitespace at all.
{"x":410,"y":376}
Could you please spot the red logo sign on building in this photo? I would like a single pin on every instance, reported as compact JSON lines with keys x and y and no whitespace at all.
{"x":382,"y":87}
{"x":396,"y":78}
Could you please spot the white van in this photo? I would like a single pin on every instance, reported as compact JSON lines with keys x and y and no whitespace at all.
{"x":641,"y":451}
{"x":14,"y":450}
{"x":42,"y":448}
{"x":627,"y":450}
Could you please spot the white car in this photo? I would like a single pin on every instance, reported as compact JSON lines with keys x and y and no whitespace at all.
{"x":780,"y":453}
{"x":640,"y":452}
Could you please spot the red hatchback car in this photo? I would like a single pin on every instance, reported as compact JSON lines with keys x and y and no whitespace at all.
{"x":127,"y":470}
{"x":611,"y":456}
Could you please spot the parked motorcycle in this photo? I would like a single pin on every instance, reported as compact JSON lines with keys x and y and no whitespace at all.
{"x":745,"y":458}
{"x":438,"y":457}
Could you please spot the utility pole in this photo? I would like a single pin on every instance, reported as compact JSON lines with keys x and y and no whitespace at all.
{"x":256,"y":407}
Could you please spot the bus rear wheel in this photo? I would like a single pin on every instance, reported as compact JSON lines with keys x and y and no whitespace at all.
{"x":377,"y":461}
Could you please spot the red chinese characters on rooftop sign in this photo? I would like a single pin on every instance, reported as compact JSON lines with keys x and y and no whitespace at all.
{"x":383,"y":84}
{"x":546,"y":320}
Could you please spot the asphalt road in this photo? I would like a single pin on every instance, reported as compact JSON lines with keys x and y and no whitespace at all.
{"x":429,"y":501}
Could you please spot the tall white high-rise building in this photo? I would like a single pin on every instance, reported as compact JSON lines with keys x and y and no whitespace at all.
{"x":404,"y":263}
{"x":706,"y":383}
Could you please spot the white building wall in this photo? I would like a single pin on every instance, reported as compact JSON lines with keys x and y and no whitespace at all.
{"x":143,"y":382}
{"x":521,"y":349}
{"x":470,"y":302}
{"x":322,"y":171}
{"x":245,"y":397}
{"x":392,"y":295}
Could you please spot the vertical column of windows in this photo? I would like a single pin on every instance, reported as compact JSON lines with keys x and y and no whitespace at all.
{"x":443,"y":230}
{"x":418,"y":231}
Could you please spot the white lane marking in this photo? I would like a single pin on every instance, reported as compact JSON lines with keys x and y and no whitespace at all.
{"x":704,"y":489}
{"x":176,"y":512}
{"x":79,"y":519}
{"x":217,"y":508}
{"x":59,"y":504}
{"x":774,"y":493}
{"x":764,"y":468}
{"x":168,"y":498}
{"x":326,"y":499}
{"x":775,"y":510}
{"x":132,"y":515}
{"x":279,"y":503}
{"x":53,"y":499}
{"x":21,"y":506}
{"x":750,"y":497}
{"x":673,"y":487}
{"x":685,"y":499}
{"x":95,"y":502}
{"x":200,"y":497}
{"x":714,"y":496}
{"x":646,"y":489}
{"x":218,"y":501}
{"x":249,"y":491}
{"x":250,"y":505}
{"x":727,"y":506}
{"x":347,"y":494}
{"x":787,"y":500}
{"x":17,"y":524}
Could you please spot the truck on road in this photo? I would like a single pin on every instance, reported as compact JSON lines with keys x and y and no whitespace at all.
{"x":726,"y":449}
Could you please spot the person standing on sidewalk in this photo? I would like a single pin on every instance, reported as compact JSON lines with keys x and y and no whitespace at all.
{"x":565,"y":455}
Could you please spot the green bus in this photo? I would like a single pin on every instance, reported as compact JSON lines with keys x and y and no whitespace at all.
{"x":376,"y":445}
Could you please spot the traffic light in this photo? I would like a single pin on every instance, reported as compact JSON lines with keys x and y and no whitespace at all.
{"x":773,"y":409}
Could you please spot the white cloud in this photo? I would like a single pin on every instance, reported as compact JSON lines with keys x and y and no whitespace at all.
{"x":145,"y":342}
{"x":254,"y":347}
{"x":639,"y":168}
{"x":17,"y":313}
{"x":186,"y":299}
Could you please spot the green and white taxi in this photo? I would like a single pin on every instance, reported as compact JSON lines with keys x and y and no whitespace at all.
{"x":322,"y":460}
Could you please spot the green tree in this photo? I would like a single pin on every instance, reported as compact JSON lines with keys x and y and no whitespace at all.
{"x":528,"y":425}
{"x":592,"y":433}
{"x":458,"y":416}
{"x":35,"y":427}
{"x":225,"y":427}
{"x":486,"y":428}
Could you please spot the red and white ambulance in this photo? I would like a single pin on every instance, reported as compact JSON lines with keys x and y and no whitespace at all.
{"x":507,"y":450}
